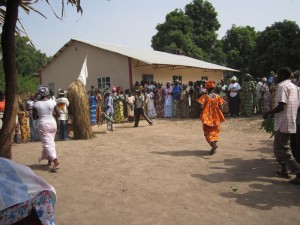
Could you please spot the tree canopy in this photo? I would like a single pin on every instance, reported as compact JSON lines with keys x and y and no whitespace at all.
{"x":28,"y":58}
{"x":238,"y":44}
{"x":192,"y":32}
{"x":277,"y":46}
{"x":28,"y":61}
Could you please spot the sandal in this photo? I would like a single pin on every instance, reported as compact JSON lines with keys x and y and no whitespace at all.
{"x":56,"y":163}
{"x":283,"y":174}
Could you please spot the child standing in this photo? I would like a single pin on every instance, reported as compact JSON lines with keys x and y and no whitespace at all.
{"x":23,"y":122}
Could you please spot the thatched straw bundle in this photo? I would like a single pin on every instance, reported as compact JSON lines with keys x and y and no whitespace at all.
{"x":79,"y":111}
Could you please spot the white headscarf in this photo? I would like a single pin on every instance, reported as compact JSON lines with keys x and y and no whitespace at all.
{"x":234,"y":78}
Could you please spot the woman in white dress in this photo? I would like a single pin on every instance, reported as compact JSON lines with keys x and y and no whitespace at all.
{"x":130,"y":106}
{"x":43,"y":110}
{"x":151,"y":111}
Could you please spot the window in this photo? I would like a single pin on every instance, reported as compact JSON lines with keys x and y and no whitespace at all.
{"x":103,"y":82}
{"x":177,"y":77}
{"x":51,"y":86}
{"x":204,"y":78}
{"x":147,"y":78}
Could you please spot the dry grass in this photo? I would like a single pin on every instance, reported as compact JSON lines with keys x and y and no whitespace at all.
{"x":79,"y":111}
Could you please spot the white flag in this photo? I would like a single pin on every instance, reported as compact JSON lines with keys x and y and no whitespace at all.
{"x":84,"y":72}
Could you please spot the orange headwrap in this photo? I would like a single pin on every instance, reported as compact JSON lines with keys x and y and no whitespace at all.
{"x":209,"y":84}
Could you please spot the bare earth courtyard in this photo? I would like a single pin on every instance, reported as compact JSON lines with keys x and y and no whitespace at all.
{"x":163,"y":175}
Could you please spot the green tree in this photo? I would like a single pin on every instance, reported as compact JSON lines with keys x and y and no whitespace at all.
{"x":238,"y":45}
{"x":205,"y":24}
{"x":175,"y":35}
{"x":192,"y":32}
{"x":28,"y":59}
{"x":277,"y":46}
{"x":8,"y":18}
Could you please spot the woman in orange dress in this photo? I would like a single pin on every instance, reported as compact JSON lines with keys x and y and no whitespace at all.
{"x":211,"y":115}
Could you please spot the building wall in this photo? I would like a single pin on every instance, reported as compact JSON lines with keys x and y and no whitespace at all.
{"x":166,"y":74}
{"x":65,"y":68}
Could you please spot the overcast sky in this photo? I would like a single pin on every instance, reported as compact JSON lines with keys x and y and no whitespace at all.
{"x":132,"y":22}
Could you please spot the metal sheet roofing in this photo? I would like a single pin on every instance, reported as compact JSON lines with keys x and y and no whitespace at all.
{"x":152,"y":57}
{"x":157,"y":57}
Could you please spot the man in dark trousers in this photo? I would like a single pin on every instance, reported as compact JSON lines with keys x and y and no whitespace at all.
{"x":138,"y":108}
{"x":287,"y":102}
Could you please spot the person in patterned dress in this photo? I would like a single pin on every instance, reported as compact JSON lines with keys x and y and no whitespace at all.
{"x":23,"y":122}
{"x":266,"y":96}
{"x":93,"y":107}
{"x":248,"y":91}
{"x":184,"y":102}
{"x":168,"y":106}
{"x":194,"y":92}
{"x":119,"y":106}
{"x":176,"y":94}
{"x":159,"y":100}
{"x":211,"y":115}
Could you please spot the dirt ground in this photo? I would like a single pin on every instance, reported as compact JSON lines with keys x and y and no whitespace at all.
{"x":163,"y":175}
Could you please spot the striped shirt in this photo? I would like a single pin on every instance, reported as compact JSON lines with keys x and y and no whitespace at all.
{"x":285,"y":121}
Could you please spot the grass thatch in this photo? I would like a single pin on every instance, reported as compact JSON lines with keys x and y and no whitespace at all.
{"x":79,"y":111}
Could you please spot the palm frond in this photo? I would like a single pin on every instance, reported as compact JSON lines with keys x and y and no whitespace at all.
{"x":26,"y":5}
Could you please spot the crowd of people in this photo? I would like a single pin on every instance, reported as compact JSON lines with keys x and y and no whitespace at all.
{"x":247,"y":97}
{"x":205,"y":99}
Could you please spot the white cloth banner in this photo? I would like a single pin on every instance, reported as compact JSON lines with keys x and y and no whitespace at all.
{"x":84,"y":72}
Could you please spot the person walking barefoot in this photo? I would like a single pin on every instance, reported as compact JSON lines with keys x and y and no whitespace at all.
{"x":211,"y":115}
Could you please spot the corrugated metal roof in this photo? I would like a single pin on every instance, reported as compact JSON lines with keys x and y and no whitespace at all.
{"x":157,"y":57}
{"x":151,"y":57}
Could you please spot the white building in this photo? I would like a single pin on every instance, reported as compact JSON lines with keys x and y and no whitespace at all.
{"x":115,"y":65}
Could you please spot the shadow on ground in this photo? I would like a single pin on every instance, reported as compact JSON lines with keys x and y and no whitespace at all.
{"x":182,"y":153}
{"x":42,"y":167}
{"x":260,"y":174}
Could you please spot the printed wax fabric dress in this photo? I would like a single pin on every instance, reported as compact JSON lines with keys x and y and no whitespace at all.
{"x":184,"y":104}
{"x":119,"y":108}
{"x":159,"y":102}
{"x":23,"y":121}
{"x":29,"y":193}
{"x":211,"y":115}
{"x":93,"y":109}
{"x":195,"y":94}
{"x":266,"y":98}
{"x":249,"y":89}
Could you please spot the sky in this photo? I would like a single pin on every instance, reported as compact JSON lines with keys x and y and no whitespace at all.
{"x":132,"y":22}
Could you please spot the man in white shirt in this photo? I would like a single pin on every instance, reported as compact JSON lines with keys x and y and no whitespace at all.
{"x":287,"y":102}
{"x":62,"y":104}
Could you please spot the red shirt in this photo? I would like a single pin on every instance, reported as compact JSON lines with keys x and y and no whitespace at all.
{"x":2,"y":106}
